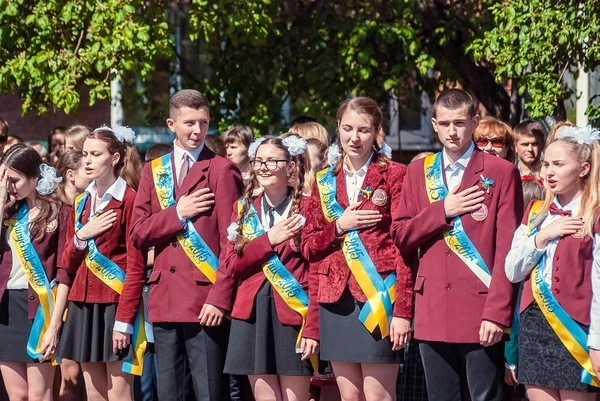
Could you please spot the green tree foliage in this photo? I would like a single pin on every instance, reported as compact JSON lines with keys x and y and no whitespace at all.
{"x":50,"y":48}
{"x":313,"y":52}
{"x":534,"y":42}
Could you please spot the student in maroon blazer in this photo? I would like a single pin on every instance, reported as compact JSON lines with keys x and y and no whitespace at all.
{"x":458,"y":319}
{"x":99,"y":321}
{"x":265,"y":329}
{"x":30,"y":186}
{"x":368,"y":187}
{"x":186,"y":309}
{"x":564,"y":252}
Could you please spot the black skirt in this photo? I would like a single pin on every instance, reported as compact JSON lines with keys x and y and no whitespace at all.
{"x":262,"y":345}
{"x":345,"y":339}
{"x":543,"y":359}
{"x":87,"y":334}
{"x":15,"y":327}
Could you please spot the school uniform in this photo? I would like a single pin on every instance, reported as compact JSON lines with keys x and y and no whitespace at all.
{"x":343,"y":337}
{"x":451,"y":300}
{"x":95,"y":309}
{"x":567,"y":270}
{"x":20,"y":302}
{"x":264,"y":329}
{"x":178,"y":289}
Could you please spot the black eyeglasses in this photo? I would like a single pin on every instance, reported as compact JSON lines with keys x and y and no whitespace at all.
{"x":271,"y":165}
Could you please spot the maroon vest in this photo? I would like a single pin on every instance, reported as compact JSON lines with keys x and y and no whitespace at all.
{"x":571,"y":277}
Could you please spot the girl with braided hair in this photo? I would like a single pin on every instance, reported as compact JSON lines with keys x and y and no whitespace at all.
{"x":275,"y":326}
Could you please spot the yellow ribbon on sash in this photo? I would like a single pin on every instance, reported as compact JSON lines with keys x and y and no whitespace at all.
{"x":190,"y":240}
{"x":280,"y":278}
{"x":381,"y":294}
{"x":573,"y":337}
{"x":114,"y":277}
{"x":18,"y":228}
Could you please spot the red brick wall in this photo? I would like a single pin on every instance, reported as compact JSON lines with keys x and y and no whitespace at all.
{"x":36,"y":128}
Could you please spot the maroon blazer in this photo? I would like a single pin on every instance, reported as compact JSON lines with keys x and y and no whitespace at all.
{"x":117,"y":246}
{"x":178,"y":290}
{"x":48,"y":249}
{"x":571,"y":275}
{"x":450,"y":300}
{"x":247,"y":270}
{"x":320,"y":245}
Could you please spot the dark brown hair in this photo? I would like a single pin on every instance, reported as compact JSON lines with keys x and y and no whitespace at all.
{"x":241,"y":133}
{"x":129,"y":166}
{"x":454,"y":99}
{"x":69,"y":160}
{"x":302,"y":165}
{"x":26,"y":161}
{"x":364,"y":106}
{"x":530,"y":128}
{"x":157,"y":150}
{"x":187,"y":98}
{"x":216,"y":144}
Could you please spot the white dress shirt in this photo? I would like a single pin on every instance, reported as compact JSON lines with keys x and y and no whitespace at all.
{"x":178,"y":159}
{"x":279,"y":212}
{"x":179,"y":152}
{"x":355,"y":179}
{"x":454,"y":171}
{"x":524,"y":256}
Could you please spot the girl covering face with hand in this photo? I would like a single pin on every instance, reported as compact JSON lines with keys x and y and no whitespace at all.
{"x":33,"y":283}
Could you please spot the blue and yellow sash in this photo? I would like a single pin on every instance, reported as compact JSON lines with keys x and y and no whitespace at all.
{"x":573,"y":337}
{"x":377,"y":311}
{"x":114,"y":277}
{"x":18,"y":228}
{"x":191,"y":242}
{"x":457,"y":239}
{"x":280,"y":278}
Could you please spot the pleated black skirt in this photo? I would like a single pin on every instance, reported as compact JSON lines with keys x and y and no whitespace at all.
{"x":262,"y":345}
{"x":15,"y":327}
{"x":345,"y":339}
{"x":87,"y":334}
{"x":543,"y":359}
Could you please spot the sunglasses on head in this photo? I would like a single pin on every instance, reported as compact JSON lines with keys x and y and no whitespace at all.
{"x":482,"y":141}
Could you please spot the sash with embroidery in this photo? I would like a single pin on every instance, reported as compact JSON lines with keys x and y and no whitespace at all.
{"x":457,"y":239}
{"x":573,"y":337}
{"x":114,"y":277}
{"x":190,"y":240}
{"x":280,"y":278}
{"x":381,"y":294}
{"x":18,"y":229}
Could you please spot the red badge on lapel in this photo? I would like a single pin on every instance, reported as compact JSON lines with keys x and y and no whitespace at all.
{"x":480,"y":214}
{"x":379,"y":197}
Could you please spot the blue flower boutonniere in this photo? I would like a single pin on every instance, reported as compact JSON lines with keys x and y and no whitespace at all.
{"x":486,"y":183}
{"x":366,"y":193}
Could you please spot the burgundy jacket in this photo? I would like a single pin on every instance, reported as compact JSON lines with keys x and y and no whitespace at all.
{"x":117,"y":246}
{"x":48,"y":249}
{"x":321,"y":246}
{"x":247,"y":270}
{"x":178,"y":290}
{"x":571,"y":275}
{"x":450,"y":300}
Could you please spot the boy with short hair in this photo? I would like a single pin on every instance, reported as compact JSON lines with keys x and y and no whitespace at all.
{"x":460,"y":207}
{"x":529,"y":143}
{"x":189,"y":289}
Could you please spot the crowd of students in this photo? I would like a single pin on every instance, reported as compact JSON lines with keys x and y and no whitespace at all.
{"x":228,"y":267}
